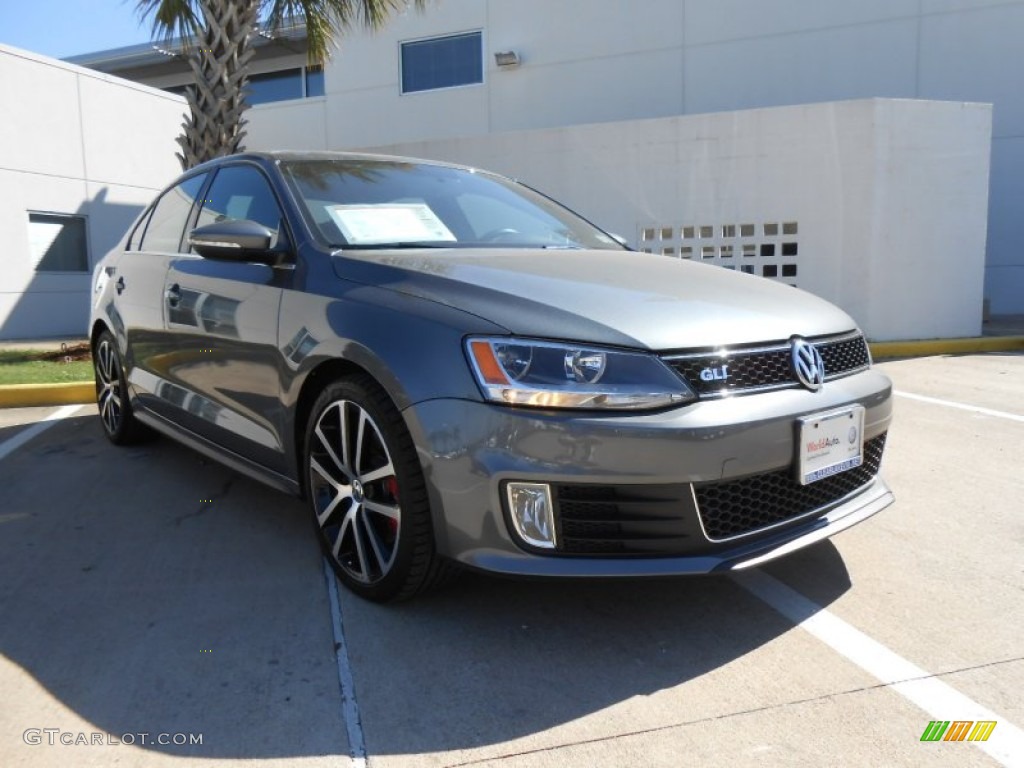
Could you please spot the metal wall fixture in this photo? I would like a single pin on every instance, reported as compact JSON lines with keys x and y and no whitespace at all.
{"x":507,"y":59}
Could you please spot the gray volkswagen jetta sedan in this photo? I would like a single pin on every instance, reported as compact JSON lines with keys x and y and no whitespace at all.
{"x":453,"y":369}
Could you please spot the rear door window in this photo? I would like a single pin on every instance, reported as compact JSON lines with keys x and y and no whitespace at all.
{"x":135,"y":241}
{"x":170,"y":215}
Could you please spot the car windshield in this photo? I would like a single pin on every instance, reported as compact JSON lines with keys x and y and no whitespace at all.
{"x":366,"y":203}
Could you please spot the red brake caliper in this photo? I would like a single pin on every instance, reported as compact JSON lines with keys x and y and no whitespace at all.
{"x":391,"y":486}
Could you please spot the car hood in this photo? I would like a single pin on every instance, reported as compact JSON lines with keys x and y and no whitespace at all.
{"x":608,"y":297}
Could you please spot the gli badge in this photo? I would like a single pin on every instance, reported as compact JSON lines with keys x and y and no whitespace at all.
{"x":718,"y":373}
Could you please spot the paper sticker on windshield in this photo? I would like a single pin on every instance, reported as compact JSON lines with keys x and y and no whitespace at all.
{"x":390,"y":223}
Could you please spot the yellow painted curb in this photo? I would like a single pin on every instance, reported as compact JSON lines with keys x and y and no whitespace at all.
{"x":23,"y":395}
{"x":883,"y":349}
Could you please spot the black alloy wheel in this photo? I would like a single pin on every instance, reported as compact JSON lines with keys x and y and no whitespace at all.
{"x":119,"y":422}
{"x":368,"y":495}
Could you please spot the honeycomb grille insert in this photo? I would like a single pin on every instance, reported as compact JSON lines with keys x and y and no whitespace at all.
{"x":741,"y":507}
{"x":752,"y":370}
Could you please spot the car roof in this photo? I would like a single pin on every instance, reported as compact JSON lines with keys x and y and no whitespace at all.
{"x":289,"y":155}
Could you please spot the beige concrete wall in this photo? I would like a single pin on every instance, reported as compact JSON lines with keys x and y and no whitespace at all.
{"x":588,"y":61}
{"x":888,"y":198}
{"x":73,"y":141}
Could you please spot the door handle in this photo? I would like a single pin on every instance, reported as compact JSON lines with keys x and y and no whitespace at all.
{"x":173,"y":295}
{"x":119,"y":285}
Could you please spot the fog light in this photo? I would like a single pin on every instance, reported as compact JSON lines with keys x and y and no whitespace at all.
{"x":532,"y":513}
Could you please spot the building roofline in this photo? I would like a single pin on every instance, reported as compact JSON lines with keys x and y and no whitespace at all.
{"x":161,"y":50}
{"x":67,"y":66}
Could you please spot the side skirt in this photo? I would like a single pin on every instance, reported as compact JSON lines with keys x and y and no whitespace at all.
{"x":215,"y":452}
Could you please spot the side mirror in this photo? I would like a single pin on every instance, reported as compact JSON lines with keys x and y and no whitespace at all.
{"x":234,"y":240}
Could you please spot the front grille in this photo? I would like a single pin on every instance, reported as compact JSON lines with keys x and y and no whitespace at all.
{"x":625,"y":519}
{"x":764,"y":368}
{"x":666,"y":520}
{"x":741,"y":507}
{"x":844,"y":356}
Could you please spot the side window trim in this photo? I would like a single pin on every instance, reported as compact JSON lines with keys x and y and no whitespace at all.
{"x":193,"y":209}
{"x":193,"y":214}
{"x":139,"y":229}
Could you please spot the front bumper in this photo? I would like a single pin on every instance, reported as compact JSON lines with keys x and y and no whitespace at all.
{"x":469,"y":450}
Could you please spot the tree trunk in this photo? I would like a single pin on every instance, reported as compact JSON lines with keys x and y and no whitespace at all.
{"x":220,"y":65}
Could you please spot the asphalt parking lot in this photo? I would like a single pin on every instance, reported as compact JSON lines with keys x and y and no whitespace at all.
{"x":150,"y":591}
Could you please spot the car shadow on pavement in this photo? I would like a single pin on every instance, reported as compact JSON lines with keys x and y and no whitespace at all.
{"x":149,"y":590}
{"x":492,"y":661}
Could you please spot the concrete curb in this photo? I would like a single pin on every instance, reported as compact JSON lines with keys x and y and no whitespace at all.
{"x":886,"y":349}
{"x":24,"y":395}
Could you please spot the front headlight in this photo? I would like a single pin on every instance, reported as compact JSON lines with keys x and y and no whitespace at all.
{"x":558,"y":375}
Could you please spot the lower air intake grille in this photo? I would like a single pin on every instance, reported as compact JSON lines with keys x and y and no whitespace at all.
{"x":625,"y":519}
{"x":740,"y":507}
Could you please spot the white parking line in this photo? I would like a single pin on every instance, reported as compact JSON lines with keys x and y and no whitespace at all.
{"x":935,"y":697}
{"x":349,"y":707}
{"x":9,"y":446}
{"x":961,"y":406}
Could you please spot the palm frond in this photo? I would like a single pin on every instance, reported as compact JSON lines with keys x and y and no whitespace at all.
{"x":219,"y":34}
{"x":171,"y":18}
{"x":327,"y":20}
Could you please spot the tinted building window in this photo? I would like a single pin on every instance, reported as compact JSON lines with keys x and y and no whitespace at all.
{"x":442,"y":62}
{"x":314,"y":81}
{"x":275,"y":86}
{"x":283,"y":85}
{"x":167,"y":222}
{"x":58,"y":243}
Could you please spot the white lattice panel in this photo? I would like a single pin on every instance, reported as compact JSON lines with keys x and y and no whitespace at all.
{"x":768,"y":249}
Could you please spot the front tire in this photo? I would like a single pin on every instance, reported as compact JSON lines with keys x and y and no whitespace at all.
{"x":368,"y":495}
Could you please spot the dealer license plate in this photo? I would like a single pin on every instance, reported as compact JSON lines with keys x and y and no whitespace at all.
{"x":829,"y":443}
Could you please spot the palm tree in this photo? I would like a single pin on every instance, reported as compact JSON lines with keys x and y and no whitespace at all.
{"x":218,"y":38}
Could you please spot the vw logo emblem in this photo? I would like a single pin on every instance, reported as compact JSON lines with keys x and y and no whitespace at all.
{"x":807,"y":364}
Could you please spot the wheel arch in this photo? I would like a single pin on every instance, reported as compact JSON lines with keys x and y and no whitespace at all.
{"x":98,"y":327}
{"x":313,"y":384}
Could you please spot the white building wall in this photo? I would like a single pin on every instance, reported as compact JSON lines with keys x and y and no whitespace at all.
{"x":586,"y":61}
{"x":287,"y":125}
{"x":888,"y":197}
{"x":73,"y":141}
